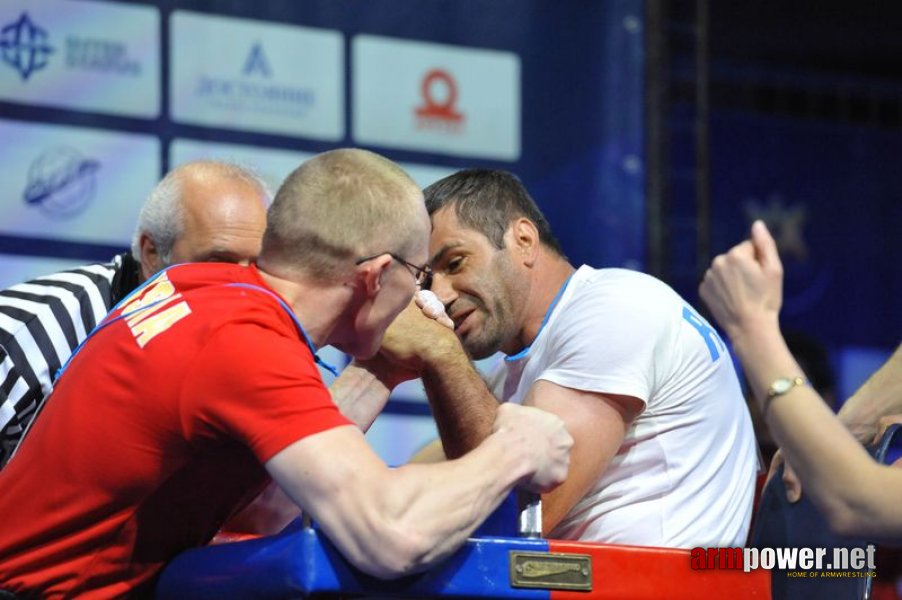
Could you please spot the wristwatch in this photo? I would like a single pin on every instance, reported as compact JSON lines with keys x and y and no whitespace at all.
{"x":783,"y":385}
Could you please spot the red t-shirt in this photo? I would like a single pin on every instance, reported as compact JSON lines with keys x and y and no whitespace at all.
{"x":156,"y":434}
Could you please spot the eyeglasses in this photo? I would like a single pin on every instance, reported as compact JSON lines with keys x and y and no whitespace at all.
{"x":423,"y":275}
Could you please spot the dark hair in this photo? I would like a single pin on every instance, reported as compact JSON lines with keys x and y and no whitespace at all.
{"x":487,"y":201}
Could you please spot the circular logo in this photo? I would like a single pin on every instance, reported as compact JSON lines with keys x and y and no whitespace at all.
{"x":439,"y":92}
{"x":61,"y":182}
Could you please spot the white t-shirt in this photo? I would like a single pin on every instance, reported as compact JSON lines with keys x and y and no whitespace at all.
{"x":684,"y":476}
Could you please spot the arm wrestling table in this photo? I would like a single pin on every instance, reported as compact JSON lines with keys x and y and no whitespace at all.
{"x":300,"y":562}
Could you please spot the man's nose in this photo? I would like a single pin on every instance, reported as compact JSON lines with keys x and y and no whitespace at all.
{"x":442,"y":288}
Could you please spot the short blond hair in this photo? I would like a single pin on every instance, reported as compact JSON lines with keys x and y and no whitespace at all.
{"x":337,"y":207}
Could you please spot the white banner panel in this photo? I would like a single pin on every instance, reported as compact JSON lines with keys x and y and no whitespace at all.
{"x":272,"y":164}
{"x":16,"y":269}
{"x":92,"y":56}
{"x":447,"y":99}
{"x":426,"y":174}
{"x":72,"y":183}
{"x":256,"y":76}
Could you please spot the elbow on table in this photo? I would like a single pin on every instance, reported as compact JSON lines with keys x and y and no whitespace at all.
{"x":395,"y":551}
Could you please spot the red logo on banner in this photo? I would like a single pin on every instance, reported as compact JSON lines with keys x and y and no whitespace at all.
{"x":439,"y":91}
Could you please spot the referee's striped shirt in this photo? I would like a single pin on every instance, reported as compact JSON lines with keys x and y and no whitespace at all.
{"x":41,"y":323}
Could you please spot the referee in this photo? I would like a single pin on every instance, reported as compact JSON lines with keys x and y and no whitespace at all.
{"x":200,"y":211}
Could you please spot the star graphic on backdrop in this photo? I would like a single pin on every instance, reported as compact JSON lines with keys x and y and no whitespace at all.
{"x":785,"y":223}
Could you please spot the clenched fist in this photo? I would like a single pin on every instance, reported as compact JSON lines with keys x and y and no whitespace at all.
{"x":541,"y":438}
{"x":744,"y":287}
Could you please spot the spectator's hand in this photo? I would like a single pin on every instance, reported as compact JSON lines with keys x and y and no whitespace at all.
{"x":745,"y":285}
{"x":540,"y":436}
{"x":790,"y":480}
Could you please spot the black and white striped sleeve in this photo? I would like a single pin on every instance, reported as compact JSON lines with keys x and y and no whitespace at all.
{"x":41,"y":323}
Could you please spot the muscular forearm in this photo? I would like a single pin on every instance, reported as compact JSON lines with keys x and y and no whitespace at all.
{"x":458,"y":495}
{"x":880,"y":396}
{"x":834,"y":469}
{"x":391,"y":523}
{"x":359,"y":394}
{"x":463,"y":407}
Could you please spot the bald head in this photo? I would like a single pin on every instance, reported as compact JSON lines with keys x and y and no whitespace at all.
{"x":201,"y":211}
{"x":340,"y":206}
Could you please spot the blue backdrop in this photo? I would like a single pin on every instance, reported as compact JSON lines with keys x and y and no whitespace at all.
{"x":574,"y":96}
{"x":832,"y":194}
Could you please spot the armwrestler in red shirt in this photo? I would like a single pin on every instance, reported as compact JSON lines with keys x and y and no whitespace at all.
{"x":202,"y":385}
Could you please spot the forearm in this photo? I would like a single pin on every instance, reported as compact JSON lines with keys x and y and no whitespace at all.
{"x":391,"y":523}
{"x":834,"y":469}
{"x":447,"y":501}
{"x":881,"y":395}
{"x":359,"y":394}
{"x":463,"y":407}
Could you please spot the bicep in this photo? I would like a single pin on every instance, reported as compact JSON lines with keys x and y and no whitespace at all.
{"x":598,"y":424}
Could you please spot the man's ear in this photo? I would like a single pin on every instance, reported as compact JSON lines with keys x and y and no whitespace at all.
{"x":371,"y":272}
{"x":150,"y":259}
{"x":523,"y":237}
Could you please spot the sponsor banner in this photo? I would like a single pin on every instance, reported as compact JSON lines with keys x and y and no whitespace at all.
{"x":273,"y":164}
{"x":74,"y":184}
{"x":91,"y":56}
{"x":16,"y":269}
{"x":434,"y":97}
{"x":424,"y":175}
{"x":256,"y":76}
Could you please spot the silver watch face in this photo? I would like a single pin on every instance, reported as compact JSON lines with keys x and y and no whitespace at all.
{"x":781,"y":386}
